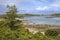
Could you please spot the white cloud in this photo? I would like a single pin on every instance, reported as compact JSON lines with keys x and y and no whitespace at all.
{"x":55,"y":5}
{"x":45,"y":0}
{"x":36,"y":2}
{"x":42,"y":8}
{"x":11,"y":2}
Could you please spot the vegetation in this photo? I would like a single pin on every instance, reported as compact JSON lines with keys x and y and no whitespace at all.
{"x":56,"y":15}
{"x":12,"y":29}
{"x":51,"y":33}
{"x":32,"y":15}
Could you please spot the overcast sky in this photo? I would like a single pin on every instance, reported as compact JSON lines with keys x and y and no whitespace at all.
{"x":32,"y":6}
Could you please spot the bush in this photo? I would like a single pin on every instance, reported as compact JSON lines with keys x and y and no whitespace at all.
{"x":51,"y":33}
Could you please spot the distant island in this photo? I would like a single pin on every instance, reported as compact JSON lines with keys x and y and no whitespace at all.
{"x":34,"y":14}
{"x":57,"y":15}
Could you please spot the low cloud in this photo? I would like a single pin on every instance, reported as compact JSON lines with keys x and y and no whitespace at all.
{"x":42,"y":8}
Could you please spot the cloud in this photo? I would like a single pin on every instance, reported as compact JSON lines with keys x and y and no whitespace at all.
{"x":42,"y":8}
{"x":10,"y":2}
{"x":55,"y":5}
{"x":33,"y":5}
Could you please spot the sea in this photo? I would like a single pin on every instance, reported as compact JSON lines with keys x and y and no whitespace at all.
{"x":42,"y":20}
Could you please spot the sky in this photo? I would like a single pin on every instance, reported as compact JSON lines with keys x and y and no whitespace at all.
{"x":32,"y":6}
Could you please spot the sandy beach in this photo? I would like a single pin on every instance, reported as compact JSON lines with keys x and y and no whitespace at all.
{"x":34,"y":28}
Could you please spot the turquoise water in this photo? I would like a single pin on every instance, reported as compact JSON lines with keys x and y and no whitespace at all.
{"x":43,"y":20}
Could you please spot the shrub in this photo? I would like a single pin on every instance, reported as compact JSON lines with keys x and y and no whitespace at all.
{"x":51,"y":33}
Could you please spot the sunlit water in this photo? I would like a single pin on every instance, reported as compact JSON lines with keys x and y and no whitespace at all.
{"x":43,"y":20}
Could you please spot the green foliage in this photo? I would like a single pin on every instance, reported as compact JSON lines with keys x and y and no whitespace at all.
{"x":10,"y":17}
{"x":12,"y":29}
{"x":51,"y":33}
{"x":21,"y":15}
{"x":56,"y":14}
{"x":20,"y":34}
{"x":11,"y":14}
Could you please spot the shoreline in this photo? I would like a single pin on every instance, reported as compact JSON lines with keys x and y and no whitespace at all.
{"x":25,"y":22}
{"x":34,"y":28}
